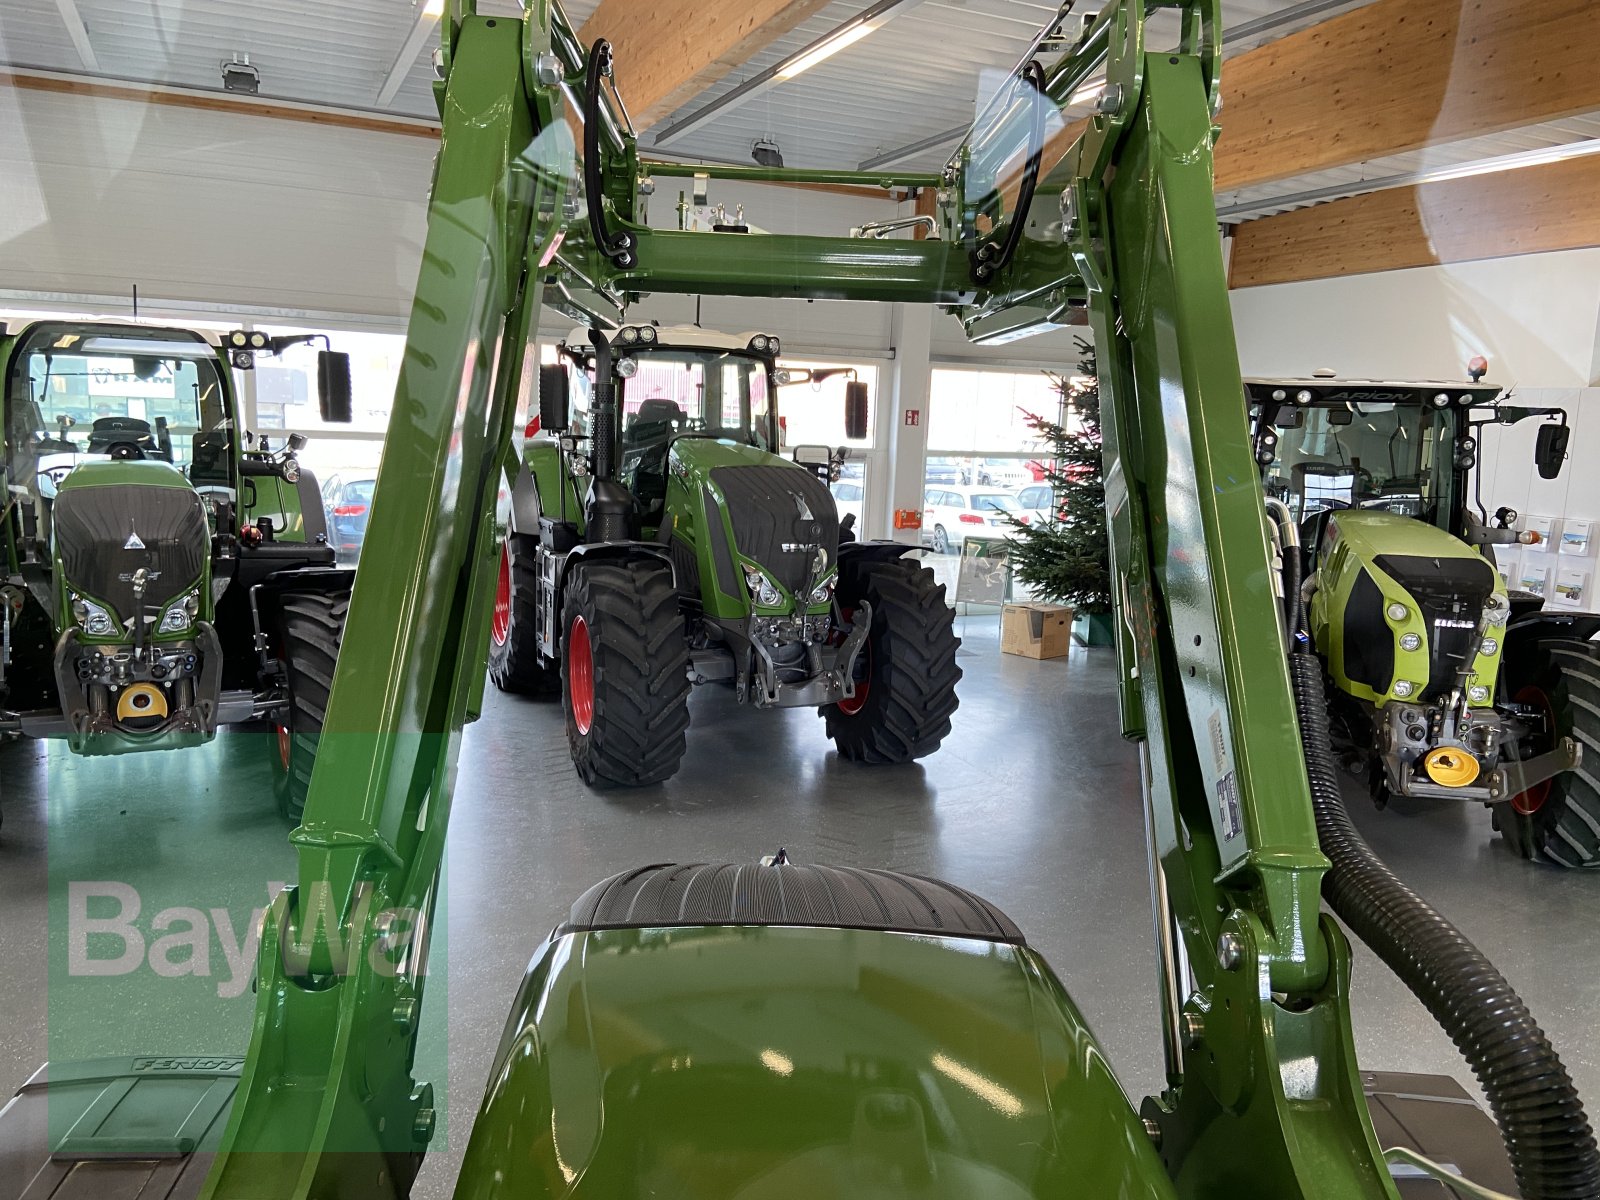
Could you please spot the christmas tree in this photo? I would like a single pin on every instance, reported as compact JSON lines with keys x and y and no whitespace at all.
{"x":1066,"y":559}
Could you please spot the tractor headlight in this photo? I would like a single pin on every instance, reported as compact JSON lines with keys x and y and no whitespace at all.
{"x":759,"y":343}
{"x":1410,"y":641}
{"x":94,"y":620}
{"x":647,"y":333}
{"x":180,"y":614}
{"x":1489,"y":646}
{"x":1403,"y":688}
{"x":823,"y":592}
{"x":1398,"y":611}
{"x":1478,"y":694}
{"x":626,"y":368}
{"x":629,"y":335}
{"x":762,"y":589}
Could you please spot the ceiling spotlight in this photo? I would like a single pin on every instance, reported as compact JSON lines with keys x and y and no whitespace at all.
{"x":240,"y":76}
{"x":766,"y":153}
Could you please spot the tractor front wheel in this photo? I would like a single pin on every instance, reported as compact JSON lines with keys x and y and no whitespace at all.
{"x":1559,"y":820}
{"x":906,"y":674}
{"x":624,"y":672}
{"x":514,"y":663}
{"x":311,"y":628}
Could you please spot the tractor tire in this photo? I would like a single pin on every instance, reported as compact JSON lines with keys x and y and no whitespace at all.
{"x":624,"y":672}
{"x":906,"y":674}
{"x":1559,"y":820}
{"x":514,"y":664}
{"x":312,"y":628}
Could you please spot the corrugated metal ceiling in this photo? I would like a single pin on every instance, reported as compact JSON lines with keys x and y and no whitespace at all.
{"x":924,"y":72}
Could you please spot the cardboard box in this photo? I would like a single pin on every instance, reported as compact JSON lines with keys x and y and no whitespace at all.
{"x":1036,"y":630}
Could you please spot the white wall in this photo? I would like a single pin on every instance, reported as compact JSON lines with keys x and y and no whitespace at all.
{"x":1534,"y":316}
{"x":97,"y":195}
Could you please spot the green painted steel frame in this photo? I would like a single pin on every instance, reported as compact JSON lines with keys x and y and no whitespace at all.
{"x":329,"y":1084}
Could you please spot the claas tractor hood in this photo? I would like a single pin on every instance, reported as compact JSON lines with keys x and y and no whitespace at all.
{"x":1402,"y":606}
{"x":764,"y":530}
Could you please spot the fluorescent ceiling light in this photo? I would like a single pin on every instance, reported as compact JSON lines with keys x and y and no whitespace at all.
{"x":829,"y":44}
{"x":433,"y":8}
{"x":806,"y":59}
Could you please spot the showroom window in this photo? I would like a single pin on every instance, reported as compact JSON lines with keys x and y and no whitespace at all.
{"x":813,"y":414}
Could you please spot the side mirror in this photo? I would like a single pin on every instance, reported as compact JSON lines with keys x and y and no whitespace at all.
{"x":1551,"y":450}
{"x":855,"y":410}
{"x":333,"y":386}
{"x":555,"y":398}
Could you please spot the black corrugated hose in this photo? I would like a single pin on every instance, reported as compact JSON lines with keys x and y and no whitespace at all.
{"x":1547,"y":1135}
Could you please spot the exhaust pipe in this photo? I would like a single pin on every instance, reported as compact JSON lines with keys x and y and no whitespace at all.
{"x":608,"y":511}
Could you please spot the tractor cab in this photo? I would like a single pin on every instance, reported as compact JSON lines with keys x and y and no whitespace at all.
{"x":1409,"y":449}
{"x":676,"y":383}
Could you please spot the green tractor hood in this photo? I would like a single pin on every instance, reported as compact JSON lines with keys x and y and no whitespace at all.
{"x":1398,"y":607}
{"x":750,"y":1063}
{"x":737,"y":510}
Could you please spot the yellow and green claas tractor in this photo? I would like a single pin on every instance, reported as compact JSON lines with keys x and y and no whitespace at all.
{"x":1446,"y":684}
{"x":153,"y":555}
{"x":659,"y":538}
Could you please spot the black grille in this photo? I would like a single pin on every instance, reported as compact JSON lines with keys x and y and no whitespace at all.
{"x":99,"y":532}
{"x":1368,"y":642}
{"x":1450,"y":593}
{"x":776,"y":506}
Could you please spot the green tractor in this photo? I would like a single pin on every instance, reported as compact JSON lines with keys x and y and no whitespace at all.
{"x":658,"y":539}
{"x":1446,"y":684}
{"x":162,"y":572}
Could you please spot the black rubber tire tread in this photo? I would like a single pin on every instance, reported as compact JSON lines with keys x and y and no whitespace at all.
{"x":1566,"y":828}
{"x":515,"y":667}
{"x":311,"y":631}
{"x":641,"y":672}
{"x":913,"y":666}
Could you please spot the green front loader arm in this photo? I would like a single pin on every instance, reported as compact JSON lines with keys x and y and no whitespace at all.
{"x":328,"y":1084}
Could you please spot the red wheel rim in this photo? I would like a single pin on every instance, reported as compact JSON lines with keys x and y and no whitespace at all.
{"x":580,"y":675}
{"x":283,"y":746}
{"x":851,"y":705}
{"x":500,"y":628}
{"x":1531,"y":801}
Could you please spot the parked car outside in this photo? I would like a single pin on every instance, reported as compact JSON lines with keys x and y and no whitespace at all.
{"x":950,"y":514}
{"x":848,"y":498}
{"x":1038,"y":500}
{"x":942,"y":471}
{"x":349,"y":503}
{"x":1007,"y":473}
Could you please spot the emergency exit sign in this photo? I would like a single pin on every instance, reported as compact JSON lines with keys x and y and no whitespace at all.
{"x":913,"y":416}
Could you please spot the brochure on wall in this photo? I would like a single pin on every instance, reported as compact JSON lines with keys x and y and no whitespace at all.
{"x":1545,"y":527}
{"x":1572,"y":585}
{"x":1533,"y":576}
{"x":1575,"y":538}
{"x":1508,"y":562}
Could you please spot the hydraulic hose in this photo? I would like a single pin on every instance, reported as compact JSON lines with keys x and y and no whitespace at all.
{"x":990,"y":259}
{"x":616,"y":246}
{"x":1547,"y":1136}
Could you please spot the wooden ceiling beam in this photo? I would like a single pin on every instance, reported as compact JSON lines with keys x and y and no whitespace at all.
{"x":668,"y":52}
{"x":1398,"y":75}
{"x":1526,"y":211}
